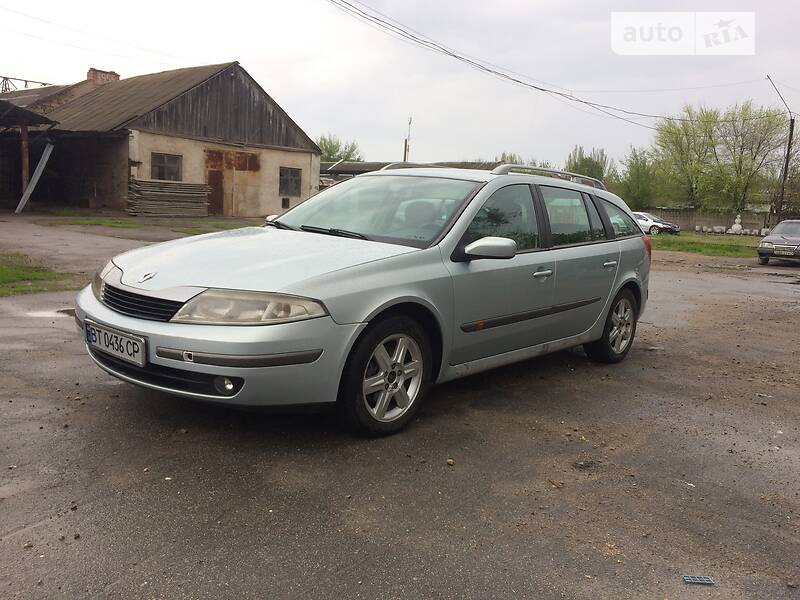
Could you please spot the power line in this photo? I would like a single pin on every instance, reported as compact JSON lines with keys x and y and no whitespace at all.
{"x":567,"y":89}
{"x":670,"y":89}
{"x":89,"y":33}
{"x":67,"y":44}
{"x":787,"y":86}
{"x":436,"y":47}
{"x":395,"y":28}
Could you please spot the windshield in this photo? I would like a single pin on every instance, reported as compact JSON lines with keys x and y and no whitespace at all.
{"x":398,"y":209}
{"x":787,"y":228}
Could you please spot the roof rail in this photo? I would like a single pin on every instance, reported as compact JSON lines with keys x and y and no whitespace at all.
{"x":404,"y":165}
{"x":575,"y":177}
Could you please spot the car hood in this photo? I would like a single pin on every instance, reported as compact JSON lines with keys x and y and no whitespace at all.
{"x":777,"y":238}
{"x":252,"y":258}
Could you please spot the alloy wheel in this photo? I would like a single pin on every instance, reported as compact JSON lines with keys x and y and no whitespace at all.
{"x":393,"y":377}
{"x":621,"y":326}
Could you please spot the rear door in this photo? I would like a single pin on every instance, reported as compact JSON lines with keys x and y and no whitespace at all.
{"x":503,"y":305}
{"x":587,"y":259}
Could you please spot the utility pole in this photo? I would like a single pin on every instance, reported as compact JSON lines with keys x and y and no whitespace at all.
{"x":407,"y":142}
{"x":785,"y":174}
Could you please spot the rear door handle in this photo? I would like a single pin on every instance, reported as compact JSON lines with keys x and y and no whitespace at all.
{"x":610,"y":263}
{"x":543,"y":274}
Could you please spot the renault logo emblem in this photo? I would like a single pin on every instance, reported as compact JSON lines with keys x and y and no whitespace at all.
{"x":147,"y":276}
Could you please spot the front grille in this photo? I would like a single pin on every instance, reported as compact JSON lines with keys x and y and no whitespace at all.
{"x":138,"y":305}
{"x":166,"y":377}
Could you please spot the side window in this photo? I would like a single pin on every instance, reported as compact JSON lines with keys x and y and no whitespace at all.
{"x":289,"y":181}
{"x":569,"y":222}
{"x":166,"y":167}
{"x":598,"y":231}
{"x":623,"y":225}
{"x":507,"y":213}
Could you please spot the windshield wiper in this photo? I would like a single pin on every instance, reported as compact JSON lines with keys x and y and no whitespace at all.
{"x":279,"y":225}
{"x":334,"y":231}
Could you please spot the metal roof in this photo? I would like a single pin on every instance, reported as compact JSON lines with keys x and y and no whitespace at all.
{"x":112,"y":105}
{"x":12,"y":115}
{"x":28,"y":96}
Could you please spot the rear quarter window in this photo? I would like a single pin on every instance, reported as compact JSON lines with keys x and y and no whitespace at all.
{"x":621,"y":222}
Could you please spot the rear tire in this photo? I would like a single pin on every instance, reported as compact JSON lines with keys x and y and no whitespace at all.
{"x":386,"y":378}
{"x":763,"y":260}
{"x":654,"y":230}
{"x":618,"y":332}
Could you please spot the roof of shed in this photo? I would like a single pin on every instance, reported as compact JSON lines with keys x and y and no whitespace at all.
{"x":12,"y":115}
{"x":113,"y":105}
{"x":28,"y":96}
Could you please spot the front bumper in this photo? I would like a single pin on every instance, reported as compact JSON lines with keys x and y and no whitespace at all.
{"x":771,"y":253}
{"x":276,"y":365}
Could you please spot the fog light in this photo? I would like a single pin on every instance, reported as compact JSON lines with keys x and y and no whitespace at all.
{"x":224,"y":385}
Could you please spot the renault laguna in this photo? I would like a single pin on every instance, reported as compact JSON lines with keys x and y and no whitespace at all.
{"x":366,"y":294}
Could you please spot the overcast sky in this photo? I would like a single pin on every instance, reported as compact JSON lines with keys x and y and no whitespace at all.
{"x":332,"y":73}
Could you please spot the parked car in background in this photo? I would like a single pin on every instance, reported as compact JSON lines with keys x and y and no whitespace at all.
{"x":782,"y":242}
{"x":369,"y":292}
{"x":654,"y":225}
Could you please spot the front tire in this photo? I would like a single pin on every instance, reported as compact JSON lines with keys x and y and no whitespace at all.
{"x":618,"y":332}
{"x":386,"y":378}
{"x":763,"y":260}
{"x":654,"y":230}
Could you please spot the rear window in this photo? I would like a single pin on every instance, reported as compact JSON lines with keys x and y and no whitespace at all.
{"x":621,"y":222}
{"x":598,"y":231}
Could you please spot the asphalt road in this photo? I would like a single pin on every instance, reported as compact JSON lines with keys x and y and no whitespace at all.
{"x":570,"y":479}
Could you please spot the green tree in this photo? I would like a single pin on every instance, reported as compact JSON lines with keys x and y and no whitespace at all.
{"x":334,"y":149}
{"x":749,"y":143}
{"x":685,"y":144}
{"x":510,"y":158}
{"x":637,"y":184}
{"x":721,"y":159}
{"x":594,"y":164}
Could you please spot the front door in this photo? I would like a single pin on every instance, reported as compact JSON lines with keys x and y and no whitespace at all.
{"x":503,"y":305}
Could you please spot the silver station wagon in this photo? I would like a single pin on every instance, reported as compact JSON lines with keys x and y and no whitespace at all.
{"x":366,"y":294}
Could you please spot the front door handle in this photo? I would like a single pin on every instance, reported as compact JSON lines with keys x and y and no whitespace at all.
{"x":610,"y":263}
{"x":543,"y":274}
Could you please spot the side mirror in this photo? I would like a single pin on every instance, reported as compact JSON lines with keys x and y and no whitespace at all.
{"x":491,"y":247}
{"x":270,"y":218}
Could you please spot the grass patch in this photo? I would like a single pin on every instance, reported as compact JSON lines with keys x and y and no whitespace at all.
{"x":19,"y":274}
{"x":99,"y":221}
{"x":707,"y":244}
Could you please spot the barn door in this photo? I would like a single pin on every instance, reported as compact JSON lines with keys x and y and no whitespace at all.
{"x":217,"y":194}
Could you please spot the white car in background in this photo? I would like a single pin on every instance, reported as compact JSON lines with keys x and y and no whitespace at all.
{"x":654,"y":225}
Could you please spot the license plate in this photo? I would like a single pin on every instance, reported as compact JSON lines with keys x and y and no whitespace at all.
{"x":125,"y":346}
{"x":784,"y":252}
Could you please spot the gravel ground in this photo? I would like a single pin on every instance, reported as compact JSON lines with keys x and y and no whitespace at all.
{"x":569,"y":479}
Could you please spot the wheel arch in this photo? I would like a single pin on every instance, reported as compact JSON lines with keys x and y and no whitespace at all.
{"x":636,"y":289}
{"x":423,"y":313}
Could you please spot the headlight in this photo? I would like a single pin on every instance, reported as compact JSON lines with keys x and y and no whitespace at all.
{"x":232,"y":307}
{"x":97,"y":280}
{"x":765,"y":245}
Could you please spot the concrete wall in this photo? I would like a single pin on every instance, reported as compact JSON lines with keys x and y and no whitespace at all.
{"x":250,"y":175}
